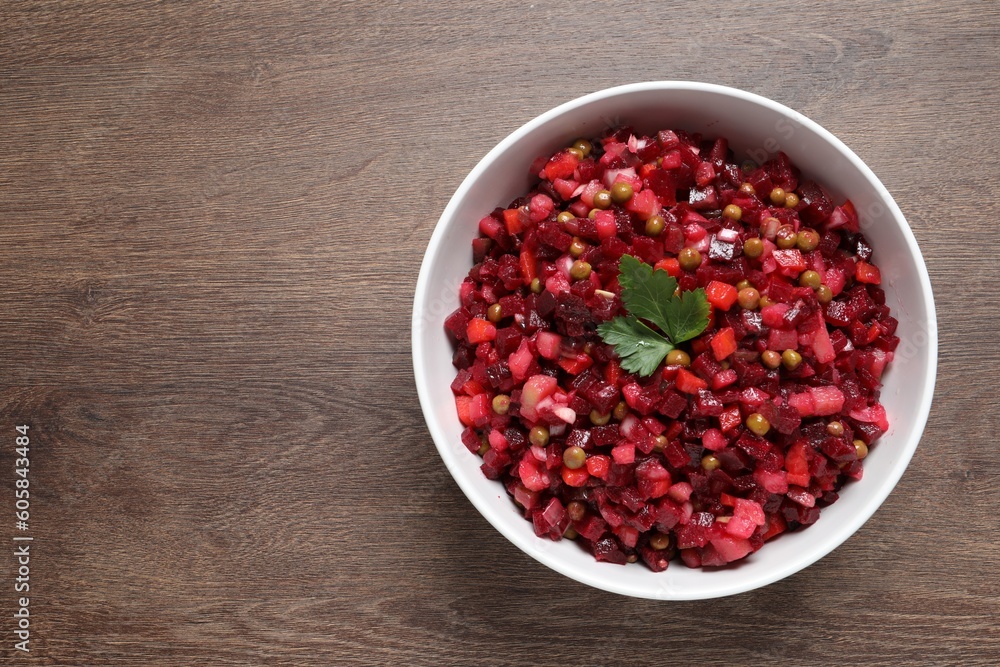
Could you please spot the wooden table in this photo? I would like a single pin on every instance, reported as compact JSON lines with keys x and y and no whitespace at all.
{"x":211,"y":218}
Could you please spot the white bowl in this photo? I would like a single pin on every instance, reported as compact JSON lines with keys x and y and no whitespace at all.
{"x":755,"y":127}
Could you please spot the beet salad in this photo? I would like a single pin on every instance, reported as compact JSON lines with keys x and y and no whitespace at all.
{"x":664,"y":354}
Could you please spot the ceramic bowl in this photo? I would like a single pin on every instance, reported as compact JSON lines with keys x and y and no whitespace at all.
{"x":756,"y":128}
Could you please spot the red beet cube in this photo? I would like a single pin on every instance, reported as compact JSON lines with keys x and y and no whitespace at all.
{"x":790,"y":262}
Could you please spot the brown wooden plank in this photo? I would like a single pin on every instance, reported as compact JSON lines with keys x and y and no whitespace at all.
{"x":211,"y":219}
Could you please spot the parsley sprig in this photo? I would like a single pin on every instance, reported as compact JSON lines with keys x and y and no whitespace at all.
{"x":648,"y":296}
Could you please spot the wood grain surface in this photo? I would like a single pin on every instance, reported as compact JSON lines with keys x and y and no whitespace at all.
{"x":211,"y":219}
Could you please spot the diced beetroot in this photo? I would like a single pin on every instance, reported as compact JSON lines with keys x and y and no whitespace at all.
{"x":783,"y":339}
{"x":565,"y":188}
{"x":775,"y":526}
{"x":457,"y":323}
{"x":520,"y":362}
{"x":607,"y":228}
{"x":704,"y":174}
{"x":750,"y":510}
{"x":624,"y":453}
{"x":653,"y":425}
{"x":598,"y":465}
{"x":774,"y":314}
{"x":495,"y":463}
{"x":839,"y":450}
{"x":753,"y":397}
{"x":644,"y":204}
{"x":790,"y":262}
{"x":730,"y":419}
{"x":607,"y":551}
{"x":663,"y":183}
{"x":852,"y":216}
{"x":525,"y":497}
{"x":591,"y":527}
{"x":627,"y":535}
{"x":724,"y":379}
{"x":703,"y":199}
{"x":875,"y":361}
{"x":785,"y":419}
{"x":706,"y":366}
{"x":656,"y":559}
{"x":706,"y":404}
{"x":712,"y":439}
{"x":653,"y":479}
{"x":479,"y":409}
{"x":695,"y":533}
{"x":632,"y":393}
{"x":801,"y":496}
{"x":491,"y":227}
{"x":669,"y":513}
{"x":676,"y":455}
{"x":731,"y":548}
{"x":672,"y":404}
{"x":755,"y":446}
{"x":817,"y":205}
{"x":804,"y":403}
{"x":553,"y":520}
{"x":740,"y":527}
{"x":873,"y":414}
{"x":539,"y":207}
{"x":642,"y":472}
{"x":772,"y":481}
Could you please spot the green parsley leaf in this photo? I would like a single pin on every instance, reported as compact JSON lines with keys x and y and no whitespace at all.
{"x":646,"y":293}
{"x":640,"y":348}
{"x":688,"y":315}
{"x":649,"y":294}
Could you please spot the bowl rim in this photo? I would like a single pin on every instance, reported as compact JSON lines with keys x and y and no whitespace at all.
{"x":841,"y":532}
